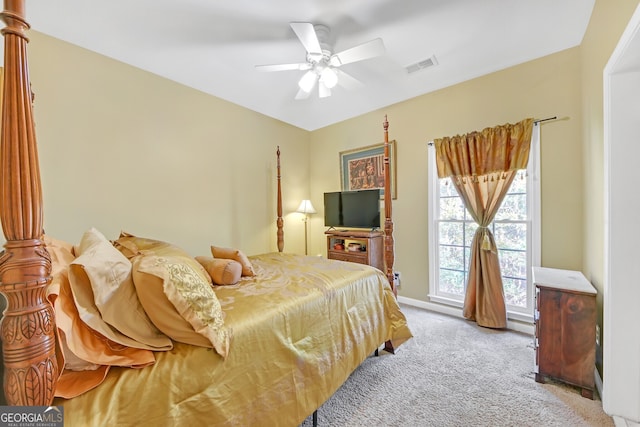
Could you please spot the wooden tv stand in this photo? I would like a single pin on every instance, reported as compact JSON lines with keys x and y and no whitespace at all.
{"x":370,"y":246}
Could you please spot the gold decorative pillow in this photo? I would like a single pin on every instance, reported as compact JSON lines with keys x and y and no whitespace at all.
{"x":180,"y":301}
{"x":131,"y":246}
{"x":236,"y":255}
{"x":105,"y":296}
{"x":222,"y":271}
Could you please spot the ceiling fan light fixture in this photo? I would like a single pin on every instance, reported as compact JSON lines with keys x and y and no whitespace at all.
{"x":329,"y":77}
{"x":322,"y":65}
{"x":323,"y":90}
{"x":308,"y":81}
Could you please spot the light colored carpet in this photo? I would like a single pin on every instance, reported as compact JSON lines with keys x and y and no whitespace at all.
{"x":454,"y":373}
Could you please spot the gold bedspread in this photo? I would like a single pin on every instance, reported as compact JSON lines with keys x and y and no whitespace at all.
{"x":299,"y":328}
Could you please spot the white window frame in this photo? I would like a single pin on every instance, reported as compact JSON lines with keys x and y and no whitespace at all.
{"x":533,"y":229}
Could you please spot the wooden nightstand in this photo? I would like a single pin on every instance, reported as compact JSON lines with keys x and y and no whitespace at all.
{"x":565,"y":325}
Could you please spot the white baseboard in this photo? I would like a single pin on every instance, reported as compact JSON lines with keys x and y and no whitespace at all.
{"x":457,"y":312}
{"x":621,"y":422}
{"x":453,"y":311}
{"x":598,"y":380}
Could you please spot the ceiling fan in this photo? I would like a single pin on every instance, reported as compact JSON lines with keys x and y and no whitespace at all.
{"x":322,"y":66}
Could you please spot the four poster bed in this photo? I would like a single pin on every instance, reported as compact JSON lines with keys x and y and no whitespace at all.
{"x":135,"y":330}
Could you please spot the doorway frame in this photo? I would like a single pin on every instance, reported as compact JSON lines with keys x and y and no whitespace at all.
{"x":621,"y":121}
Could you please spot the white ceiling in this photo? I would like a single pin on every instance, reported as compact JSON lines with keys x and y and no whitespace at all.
{"x":213,"y":46}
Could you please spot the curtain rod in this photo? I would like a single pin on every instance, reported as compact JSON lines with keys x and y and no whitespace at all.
{"x":544,"y":120}
{"x":535,"y":122}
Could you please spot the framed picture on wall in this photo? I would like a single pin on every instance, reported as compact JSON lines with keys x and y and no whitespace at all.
{"x":363,"y":168}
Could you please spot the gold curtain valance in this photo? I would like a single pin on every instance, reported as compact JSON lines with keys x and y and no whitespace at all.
{"x":500,"y":148}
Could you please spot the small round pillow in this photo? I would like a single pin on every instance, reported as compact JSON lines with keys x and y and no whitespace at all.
{"x":222,"y":271}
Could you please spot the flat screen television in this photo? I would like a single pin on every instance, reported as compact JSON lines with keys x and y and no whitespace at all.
{"x":352,"y":209}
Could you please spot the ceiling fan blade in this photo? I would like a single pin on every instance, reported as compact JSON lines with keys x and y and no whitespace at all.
{"x":323,"y":90}
{"x":302,"y":66}
{"x":347,"y":81}
{"x":308,"y":37}
{"x":360,"y":52}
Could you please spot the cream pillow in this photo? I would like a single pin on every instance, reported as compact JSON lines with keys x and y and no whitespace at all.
{"x":81,"y":348}
{"x":104,"y":293}
{"x":236,"y":255}
{"x":222,"y":271}
{"x":180,"y":301}
{"x":85,"y":342}
{"x":90,"y":238}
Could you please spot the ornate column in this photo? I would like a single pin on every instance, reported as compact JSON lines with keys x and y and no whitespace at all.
{"x":388,"y":223}
{"x":389,"y":249}
{"x":279,"y":221}
{"x":28,"y":326}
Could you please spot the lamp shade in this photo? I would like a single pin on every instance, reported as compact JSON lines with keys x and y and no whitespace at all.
{"x":308,"y":81}
{"x":306,"y":207}
{"x":329,"y":77}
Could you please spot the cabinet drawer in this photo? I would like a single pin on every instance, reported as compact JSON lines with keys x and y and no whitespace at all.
{"x":360,"y":258}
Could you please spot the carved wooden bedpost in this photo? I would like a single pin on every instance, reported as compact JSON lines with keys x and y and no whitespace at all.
{"x":279,"y":208}
{"x":28,"y":326}
{"x":388,"y":223}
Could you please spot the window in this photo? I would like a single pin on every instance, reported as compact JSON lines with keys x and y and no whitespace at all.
{"x":516,"y":229}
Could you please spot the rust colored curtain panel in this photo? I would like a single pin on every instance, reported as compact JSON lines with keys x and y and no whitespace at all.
{"x":482,"y":166}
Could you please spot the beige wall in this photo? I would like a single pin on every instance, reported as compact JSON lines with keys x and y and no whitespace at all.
{"x":543,"y":88}
{"x":608,"y":21}
{"x":123,"y":149}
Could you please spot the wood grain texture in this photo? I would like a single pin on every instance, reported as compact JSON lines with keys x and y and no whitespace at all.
{"x":28,"y":326}
{"x":565,"y":336}
{"x":389,"y":245}
{"x":279,"y":221}
{"x":373,"y":255}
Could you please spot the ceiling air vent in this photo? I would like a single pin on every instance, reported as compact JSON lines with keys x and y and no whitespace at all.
{"x":421,"y":65}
